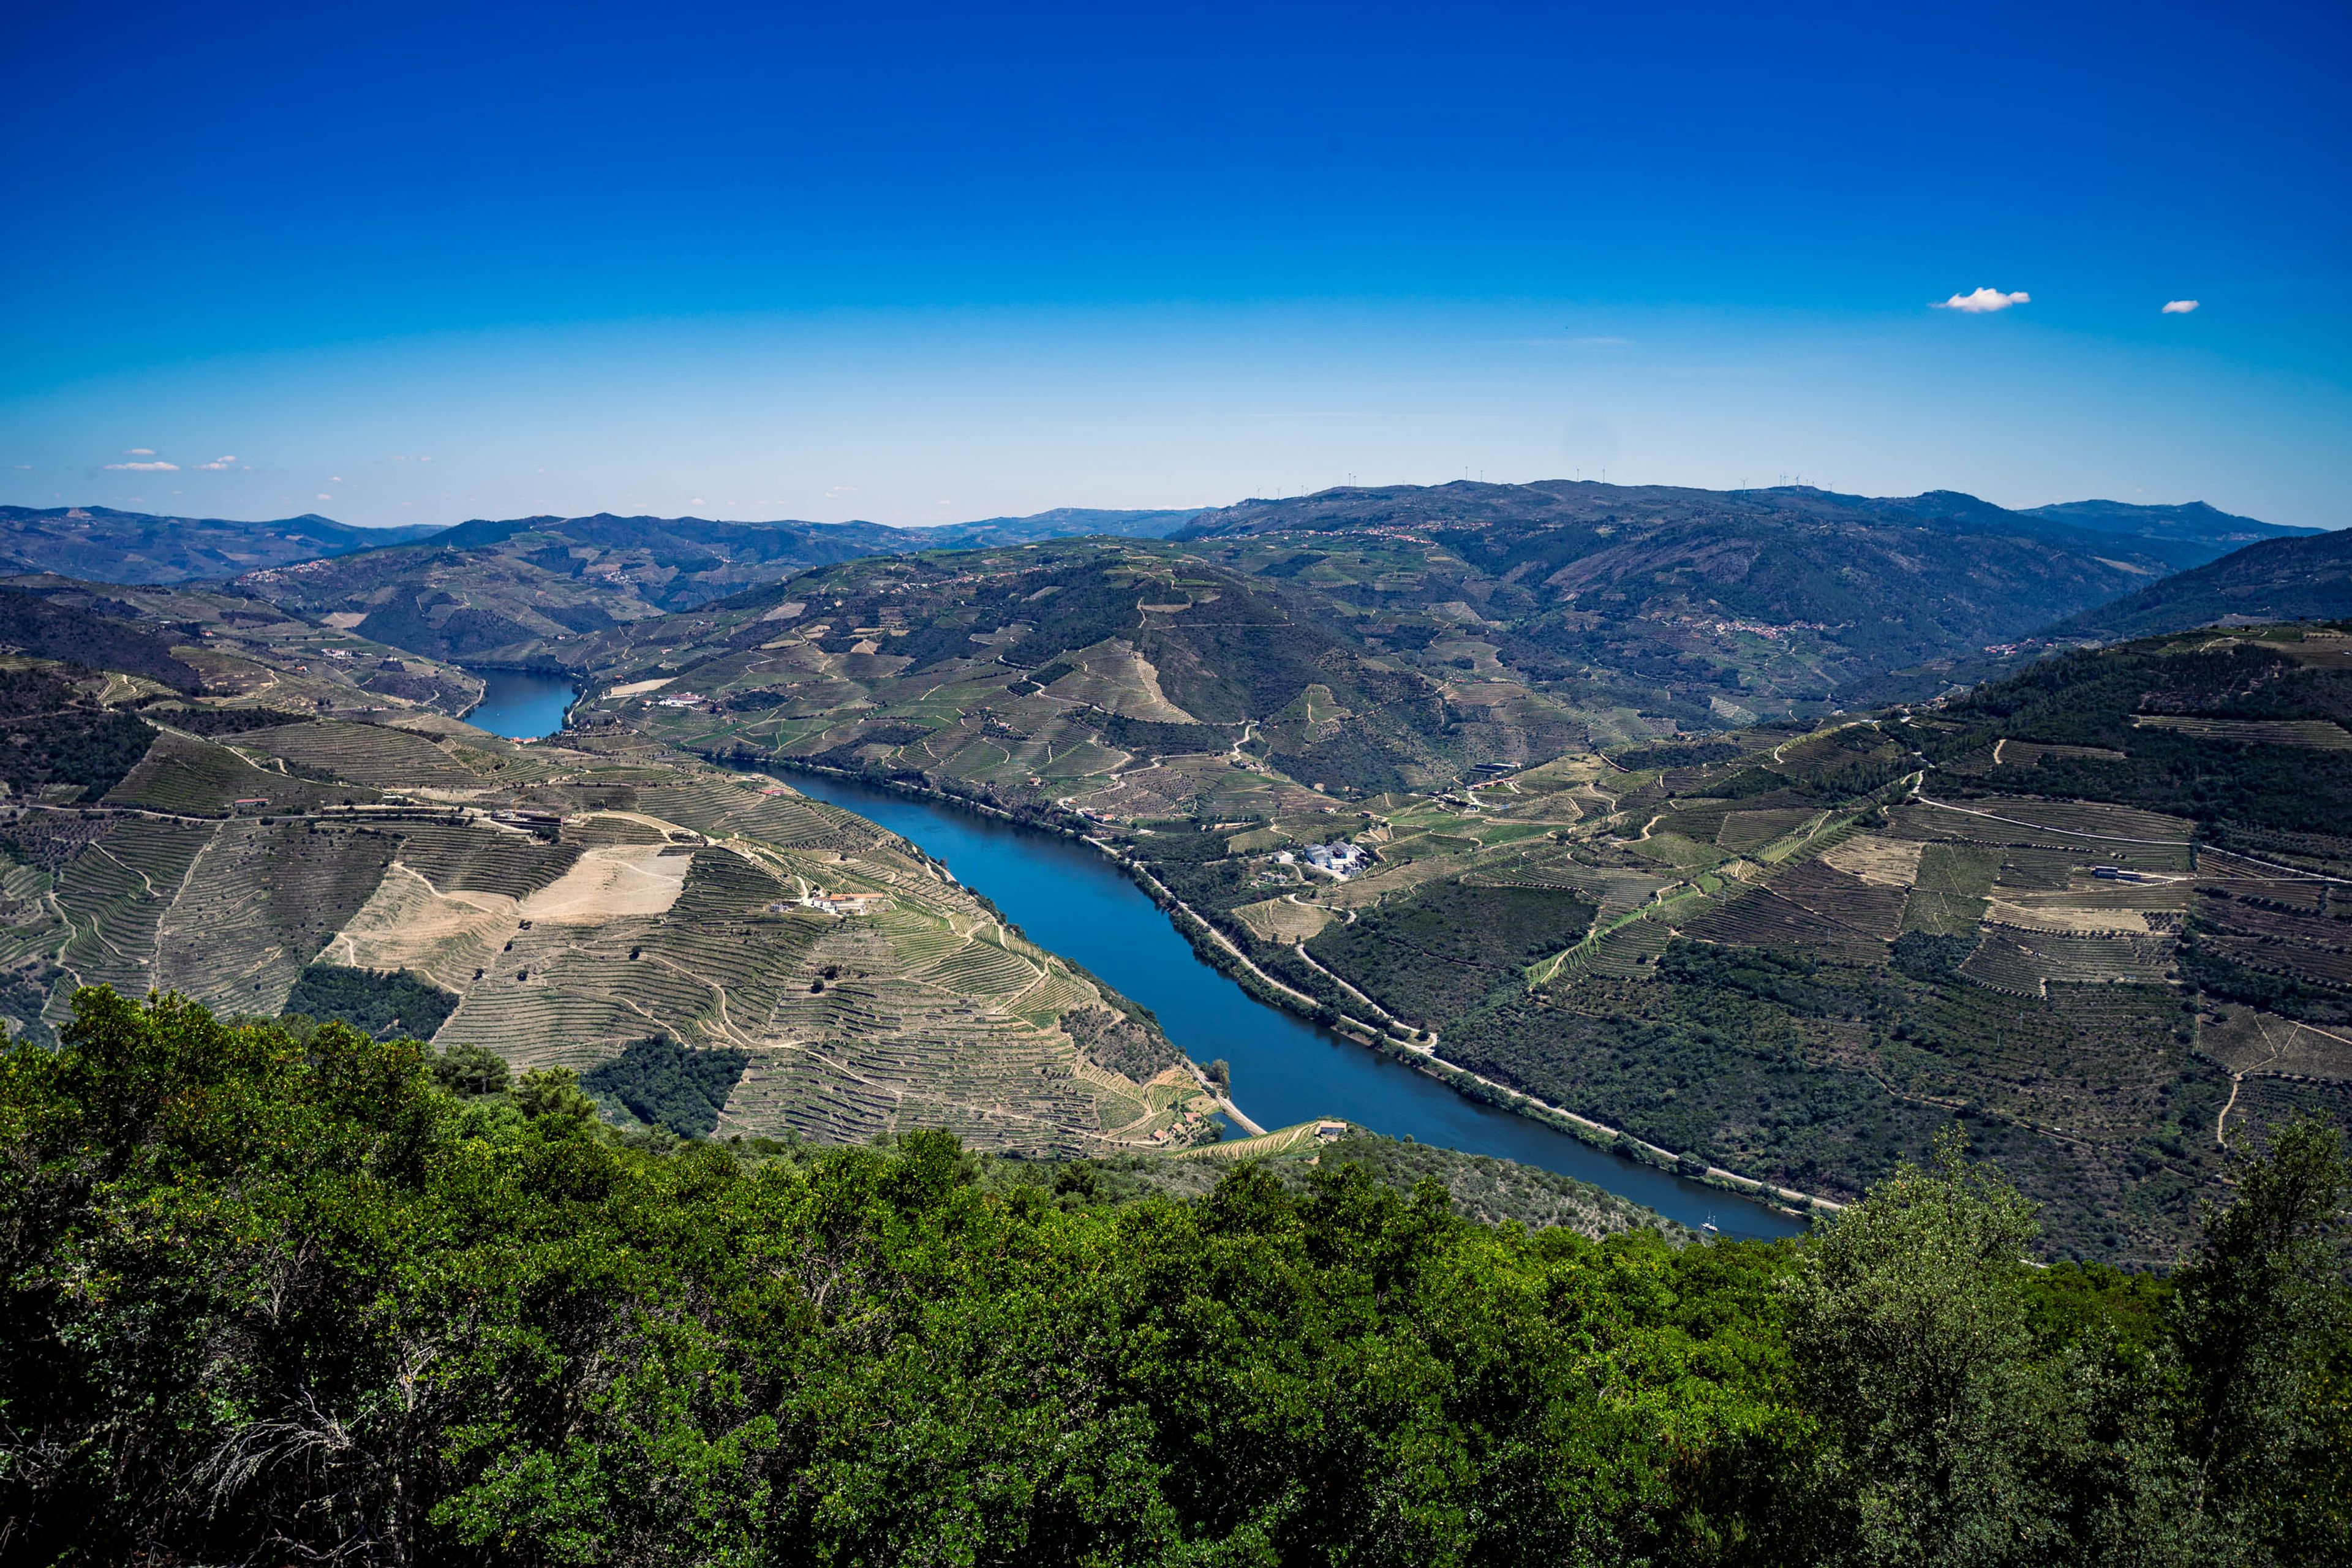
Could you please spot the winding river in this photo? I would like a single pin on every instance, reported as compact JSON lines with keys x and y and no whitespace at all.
{"x":1071,"y":899}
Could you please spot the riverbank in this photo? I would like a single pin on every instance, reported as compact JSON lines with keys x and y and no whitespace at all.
{"x":1218,"y":951}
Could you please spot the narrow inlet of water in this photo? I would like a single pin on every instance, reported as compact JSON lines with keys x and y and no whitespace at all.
{"x":1071,"y":899}
{"x":522,"y":705}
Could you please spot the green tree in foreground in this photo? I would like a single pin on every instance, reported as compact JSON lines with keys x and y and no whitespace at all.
{"x":1907,"y":1319}
{"x":273,"y":1296}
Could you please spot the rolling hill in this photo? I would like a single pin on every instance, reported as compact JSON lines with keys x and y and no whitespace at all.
{"x":551,"y":905}
{"x":102,"y":545}
{"x":1049,"y":671}
{"x":1700,"y":605}
{"x":2083,"y":911}
{"x":512,"y":592}
{"x":2303,"y":579}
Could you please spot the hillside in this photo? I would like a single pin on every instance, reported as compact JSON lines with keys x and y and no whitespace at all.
{"x":1703,"y":607}
{"x":514,"y":592}
{"x":190,"y":638}
{"x":1055,"y":672}
{"x":1793,"y":952}
{"x":102,"y":545}
{"x":2305,"y":579}
{"x":2194,"y":522}
{"x":1060,"y":522}
{"x":549,"y":905}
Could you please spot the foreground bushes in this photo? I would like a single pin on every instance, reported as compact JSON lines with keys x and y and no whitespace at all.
{"x":273,"y":1300}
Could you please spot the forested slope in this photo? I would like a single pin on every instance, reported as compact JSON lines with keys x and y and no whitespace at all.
{"x":271,"y":1297}
{"x":2307,"y":579}
{"x":1707,"y":604}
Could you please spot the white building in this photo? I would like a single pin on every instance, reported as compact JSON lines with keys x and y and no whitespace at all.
{"x":1341,"y":859}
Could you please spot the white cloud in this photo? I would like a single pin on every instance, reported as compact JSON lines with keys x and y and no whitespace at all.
{"x":322,"y":496}
{"x":334,"y":478}
{"x":1983,"y":301}
{"x":218,"y":465}
{"x":142,"y":467}
{"x":2178,"y":307}
{"x":139,"y":451}
{"x":839,"y":490}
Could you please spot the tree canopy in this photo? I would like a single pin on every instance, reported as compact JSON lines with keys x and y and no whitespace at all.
{"x":274,"y":1297}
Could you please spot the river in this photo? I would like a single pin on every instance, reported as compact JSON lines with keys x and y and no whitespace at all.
{"x":1071,"y":899}
{"x":520,"y":706}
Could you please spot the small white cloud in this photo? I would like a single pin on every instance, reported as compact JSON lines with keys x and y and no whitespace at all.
{"x":139,"y":451}
{"x":322,"y":496}
{"x":1983,"y":301}
{"x":142,"y":467}
{"x":840,"y":491}
{"x":2178,"y":306}
{"x":219,"y":465}
{"x":698,"y":502}
{"x":334,"y":478}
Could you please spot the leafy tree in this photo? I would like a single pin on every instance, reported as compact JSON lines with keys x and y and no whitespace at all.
{"x":2264,"y":1330}
{"x":469,"y":1069}
{"x":274,"y":1295}
{"x":664,"y":1084}
{"x":1909,"y":1331}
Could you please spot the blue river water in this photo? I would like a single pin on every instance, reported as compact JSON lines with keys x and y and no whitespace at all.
{"x":1072,"y":900}
{"x":520,"y":706}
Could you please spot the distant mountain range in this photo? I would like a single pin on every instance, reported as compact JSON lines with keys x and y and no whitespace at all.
{"x":99,"y":545}
{"x":1061,"y":522}
{"x":2177,"y":535}
{"x":1701,"y":606}
{"x":2307,"y":579}
{"x":510,"y":592}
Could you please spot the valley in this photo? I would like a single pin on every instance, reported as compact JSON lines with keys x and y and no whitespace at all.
{"x":1706,"y":830}
{"x":552,"y":905}
{"x":1789,"y":950}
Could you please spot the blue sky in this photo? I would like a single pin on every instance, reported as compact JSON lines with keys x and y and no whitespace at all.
{"x":918,"y":264}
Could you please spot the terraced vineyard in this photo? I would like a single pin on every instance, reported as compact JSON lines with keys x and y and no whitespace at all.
{"x":1802,"y":948}
{"x":573,"y":901}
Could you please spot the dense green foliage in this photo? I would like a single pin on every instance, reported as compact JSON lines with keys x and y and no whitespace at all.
{"x":228,"y":720}
{"x":1438,"y":952}
{"x":1676,"y":755}
{"x":50,"y":735}
{"x":664,"y":1084}
{"x":2090,"y":699}
{"x":373,"y":1001}
{"x":76,"y":635}
{"x":274,"y":1300}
